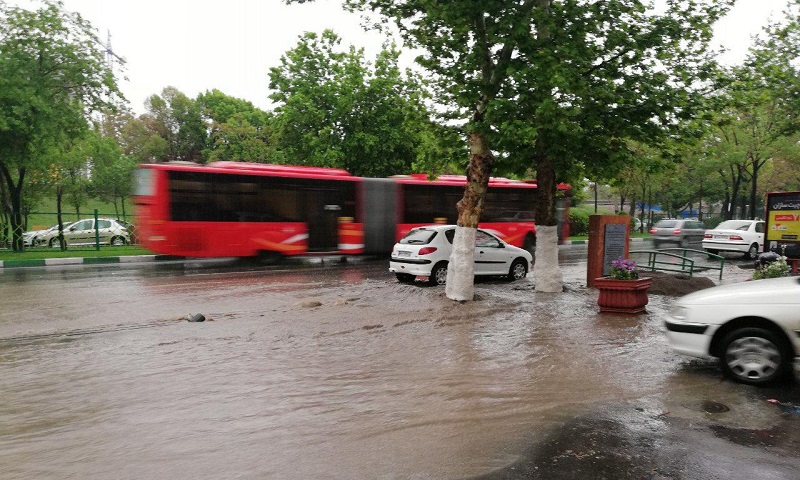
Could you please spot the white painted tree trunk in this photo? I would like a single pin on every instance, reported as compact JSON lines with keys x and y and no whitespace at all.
{"x":460,"y":284}
{"x":546,"y":273}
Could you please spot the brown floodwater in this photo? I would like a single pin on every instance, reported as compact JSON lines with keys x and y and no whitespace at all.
{"x":305,"y":373}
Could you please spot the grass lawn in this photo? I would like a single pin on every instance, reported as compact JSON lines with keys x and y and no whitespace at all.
{"x":42,"y":253}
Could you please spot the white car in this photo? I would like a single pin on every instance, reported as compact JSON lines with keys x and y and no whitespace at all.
{"x":744,"y":236}
{"x":752,"y":327}
{"x":425,"y":252}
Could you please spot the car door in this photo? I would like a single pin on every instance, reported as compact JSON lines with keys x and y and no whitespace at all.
{"x":77,"y":233}
{"x":104,"y":230}
{"x":491,"y":257}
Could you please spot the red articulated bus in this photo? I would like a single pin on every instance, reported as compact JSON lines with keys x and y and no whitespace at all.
{"x":238,"y":209}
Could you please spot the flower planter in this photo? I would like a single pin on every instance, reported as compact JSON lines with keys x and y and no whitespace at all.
{"x":622,"y":296}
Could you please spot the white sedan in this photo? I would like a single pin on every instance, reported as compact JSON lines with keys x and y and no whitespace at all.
{"x":425,"y":252}
{"x":743,"y":236}
{"x":752,"y":327}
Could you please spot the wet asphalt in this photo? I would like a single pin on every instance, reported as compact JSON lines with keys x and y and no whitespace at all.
{"x":671,"y":433}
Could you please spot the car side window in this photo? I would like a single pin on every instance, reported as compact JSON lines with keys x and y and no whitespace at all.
{"x":82,"y":225}
{"x":450,"y":235}
{"x":483,"y":239}
{"x":103,"y":224}
{"x":759,"y":227}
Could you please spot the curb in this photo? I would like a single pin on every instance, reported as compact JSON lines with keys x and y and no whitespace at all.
{"x":584,"y":242}
{"x":85,"y":260}
{"x":163,"y":258}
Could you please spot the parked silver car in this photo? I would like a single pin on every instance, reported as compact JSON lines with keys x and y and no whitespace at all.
{"x":83,"y":232}
{"x":681,"y":233}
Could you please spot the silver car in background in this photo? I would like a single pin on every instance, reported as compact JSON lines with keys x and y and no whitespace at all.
{"x":83,"y":232}
{"x":677,"y":233}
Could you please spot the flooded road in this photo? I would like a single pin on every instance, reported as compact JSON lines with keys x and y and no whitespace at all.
{"x":330,"y":371}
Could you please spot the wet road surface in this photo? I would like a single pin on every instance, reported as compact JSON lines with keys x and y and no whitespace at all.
{"x":338,"y":371}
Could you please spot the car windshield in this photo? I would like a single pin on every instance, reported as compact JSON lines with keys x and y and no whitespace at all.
{"x":418,"y":237}
{"x":666,"y":224}
{"x":733,"y":225}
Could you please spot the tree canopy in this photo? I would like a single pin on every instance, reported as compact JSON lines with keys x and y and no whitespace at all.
{"x":52,"y":76}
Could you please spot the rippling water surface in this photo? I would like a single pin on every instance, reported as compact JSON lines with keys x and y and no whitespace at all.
{"x":321,"y":373}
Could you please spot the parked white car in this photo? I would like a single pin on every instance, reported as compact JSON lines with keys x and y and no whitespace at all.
{"x":743,"y":236}
{"x":82,"y":232}
{"x":425,"y":252}
{"x":752,"y":327}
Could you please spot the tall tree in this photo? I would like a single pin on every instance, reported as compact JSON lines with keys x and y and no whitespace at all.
{"x":239,"y":130}
{"x":336,"y":109}
{"x":178,"y":120}
{"x":574,"y":78}
{"x":52,"y":76}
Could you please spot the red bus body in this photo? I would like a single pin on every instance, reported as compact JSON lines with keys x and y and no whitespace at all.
{"x":238,"y":209}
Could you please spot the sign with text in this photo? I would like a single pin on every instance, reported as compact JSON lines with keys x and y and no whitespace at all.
{"x":614,"y":245}
{"x":608,"y":240}
{"x":783,"y":223}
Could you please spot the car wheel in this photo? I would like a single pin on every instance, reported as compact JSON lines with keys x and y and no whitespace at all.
{"x":684,"y":243}
{"x":754,"y":356}
{"x":712,"y":251}
{"x":118,"y":241}
{"x":56,"y":243}
{"x":656,"y":245}
{"x":438,"y":274}
{"x":404,"y":277}
{"x":752,"y":252}
{"x":518,"y":269}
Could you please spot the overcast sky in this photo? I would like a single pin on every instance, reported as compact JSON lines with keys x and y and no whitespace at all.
{"x":197,"y":45}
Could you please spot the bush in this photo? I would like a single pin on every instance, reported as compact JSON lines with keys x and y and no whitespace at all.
{"x":579,"y":220}
{"x":771,"y":268}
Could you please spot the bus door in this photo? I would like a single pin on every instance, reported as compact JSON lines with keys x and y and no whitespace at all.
{"x":323,"y":208}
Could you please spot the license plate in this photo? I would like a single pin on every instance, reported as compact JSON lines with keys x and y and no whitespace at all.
{"x":720,"y":236}
{"x":403,"y":253}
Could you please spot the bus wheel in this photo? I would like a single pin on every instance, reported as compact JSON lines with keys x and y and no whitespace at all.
{"x":438,"y":274}
{"x":269,"y":257}
{"x":529,"y":243}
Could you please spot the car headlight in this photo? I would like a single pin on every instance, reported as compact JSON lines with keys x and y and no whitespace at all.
{"x":679,"y":312}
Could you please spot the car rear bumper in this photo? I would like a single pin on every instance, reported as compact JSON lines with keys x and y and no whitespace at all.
{"x":416,"y":269}
{"x":726,"y":246}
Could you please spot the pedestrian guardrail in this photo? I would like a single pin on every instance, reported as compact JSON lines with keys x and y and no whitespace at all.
{"x":680,"y":262}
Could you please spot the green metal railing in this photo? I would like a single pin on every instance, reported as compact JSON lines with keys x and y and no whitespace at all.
{"x":51,"y":218}
{"x":666,"y":261}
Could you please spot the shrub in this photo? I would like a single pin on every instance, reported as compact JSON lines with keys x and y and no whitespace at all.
{"x":774,"y":269}
{"x":579,"y":221}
